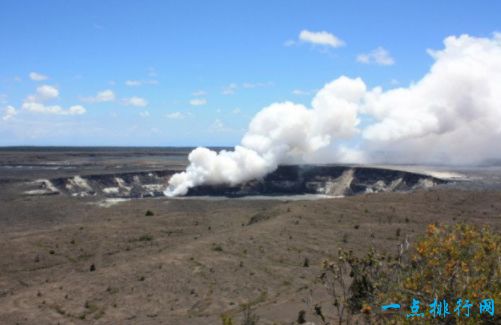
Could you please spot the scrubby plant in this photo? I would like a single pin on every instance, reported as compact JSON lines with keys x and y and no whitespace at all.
{"x":217,"y":247}
{"x":226,"y":320}
{"x":301,"y":317}
{"x":447,"y":263}
{"x":145,"y":237}
{"x":306,"y":262}
{"x":249,"y":317}
{"x":350,"y":282}
{"x":460,"y":262}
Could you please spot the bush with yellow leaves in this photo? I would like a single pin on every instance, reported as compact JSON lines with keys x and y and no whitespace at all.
{"x":448,"y":263}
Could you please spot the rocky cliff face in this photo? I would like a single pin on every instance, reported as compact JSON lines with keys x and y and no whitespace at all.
{"x":286,"y":180}
{"x":327,"y":180}
{"x":121,"y":185}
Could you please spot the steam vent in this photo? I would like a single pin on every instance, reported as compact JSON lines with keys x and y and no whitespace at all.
{"x":331,"y":180}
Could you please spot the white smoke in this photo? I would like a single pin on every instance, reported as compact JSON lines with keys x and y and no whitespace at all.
{"x":280,"y":132}
{"x":452,"y":115}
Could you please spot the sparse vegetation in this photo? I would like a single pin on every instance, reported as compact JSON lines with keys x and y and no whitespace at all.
{"x":146,"y":237}
{"x":91,"y":308}
{"x":452,"y":262}
{"x":249,"y":317}
{"x":142,"y":238}
{"x":226,"y":320}
{"x":196,"y":284}
{"x":217,"y":247}
{"x":306,"y":262}
{"x":149,"y":213}
{"x":258,"y":217}
{"x":112,"y":290}
{"x":301,"y":317}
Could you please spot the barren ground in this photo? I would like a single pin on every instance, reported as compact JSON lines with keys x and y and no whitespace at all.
{"x":196,"y":259}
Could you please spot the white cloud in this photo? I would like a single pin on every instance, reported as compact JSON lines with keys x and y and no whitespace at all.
{"x":250,"y":85}
{"x":133,"y":83}
{"x":217,"y":125}
{"x":53,"y":109}
{"x":198,"y":101}
{"x":175,"y":116}
{"x":301,"y":92}
{"x":36,"y":103}
{"x":43,"y":94}
{"x":38,"y":76}
{"x":102,"y":96}
{"x":105,"y":96}
{"x":135,"y":101}
{"x":144,"y":114}
{"x":76,"y":110}
{"x":9,"y":113}
{"x":46,"y":92}
{"x":236,"y":111}
{"x":136,"y":83}
{"x":229,"y":89}
{"x":199,"y":93}
{"x":378,"y":56}
{"x":320,"y":38}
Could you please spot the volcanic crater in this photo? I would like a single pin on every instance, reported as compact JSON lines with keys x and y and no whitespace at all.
{"x":329,"y":180}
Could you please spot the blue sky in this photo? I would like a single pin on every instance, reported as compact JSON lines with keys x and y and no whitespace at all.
{"x":195,"y":72}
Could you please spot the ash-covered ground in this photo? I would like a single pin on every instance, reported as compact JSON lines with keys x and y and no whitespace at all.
{"x":86,"y":236}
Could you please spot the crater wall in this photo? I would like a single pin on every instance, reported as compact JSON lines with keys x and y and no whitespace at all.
{"x":331,"y":180}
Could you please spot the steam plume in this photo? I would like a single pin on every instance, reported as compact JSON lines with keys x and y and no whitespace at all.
{"x":451,"y":115}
